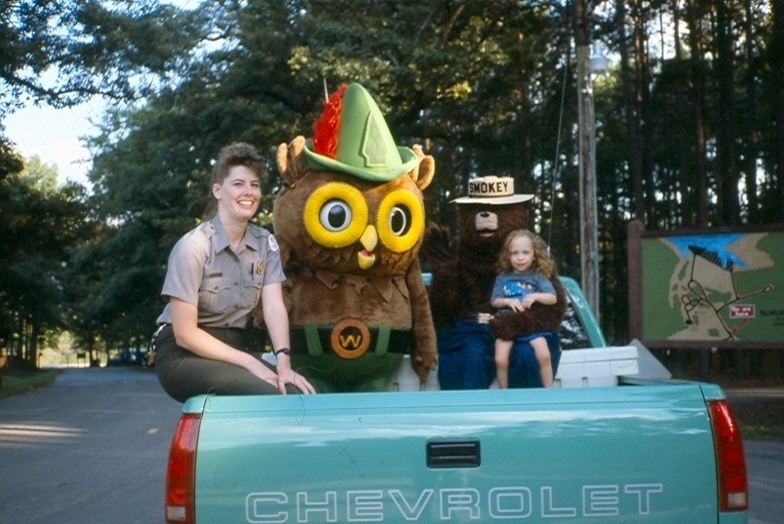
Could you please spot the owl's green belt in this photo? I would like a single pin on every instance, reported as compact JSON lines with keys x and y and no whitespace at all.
{"x":349,"y":340}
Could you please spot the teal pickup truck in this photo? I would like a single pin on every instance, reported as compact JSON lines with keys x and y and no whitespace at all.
{"x":638,"y":449}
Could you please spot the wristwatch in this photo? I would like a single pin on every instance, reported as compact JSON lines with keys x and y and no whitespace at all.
{"x":285,"y":351}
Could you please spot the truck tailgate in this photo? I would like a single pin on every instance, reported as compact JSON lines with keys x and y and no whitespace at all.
{"x":622,"y":454}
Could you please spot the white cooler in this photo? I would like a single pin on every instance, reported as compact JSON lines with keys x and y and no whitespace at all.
{"x":596,"y":367}
{"x":578,"y":368}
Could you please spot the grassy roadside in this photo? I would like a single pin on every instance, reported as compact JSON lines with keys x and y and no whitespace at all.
{"x":758,"y":406}
{"x":760,"y":419}
{"x":18,"y":381}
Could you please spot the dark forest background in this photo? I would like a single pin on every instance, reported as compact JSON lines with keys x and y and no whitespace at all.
{"x":689,"y":128}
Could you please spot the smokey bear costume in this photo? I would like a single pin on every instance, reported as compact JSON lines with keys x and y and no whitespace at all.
{"x":463,"y":272}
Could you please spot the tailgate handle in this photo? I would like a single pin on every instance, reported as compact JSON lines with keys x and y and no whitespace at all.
{"x":457,"y":453}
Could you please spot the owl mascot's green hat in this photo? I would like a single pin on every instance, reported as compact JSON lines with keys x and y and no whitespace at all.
{"x":352,"y":137}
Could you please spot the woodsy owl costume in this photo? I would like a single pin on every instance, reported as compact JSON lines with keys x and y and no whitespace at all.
{"x":350,"y":219}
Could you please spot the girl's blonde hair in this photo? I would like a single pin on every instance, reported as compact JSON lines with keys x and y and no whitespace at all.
{"x":542,"y":263}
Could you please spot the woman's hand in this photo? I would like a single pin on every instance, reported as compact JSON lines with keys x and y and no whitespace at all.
{"x":261,"y":371}
{"x":285,"y":376}
{"x":289,"y":376}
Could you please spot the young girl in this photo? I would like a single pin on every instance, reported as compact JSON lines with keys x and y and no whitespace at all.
{"x":525,"y":269}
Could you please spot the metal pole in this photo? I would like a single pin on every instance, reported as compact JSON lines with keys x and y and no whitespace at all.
{"x":589,"y":238}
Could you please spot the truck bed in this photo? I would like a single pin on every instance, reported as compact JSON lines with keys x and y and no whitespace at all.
{"x":465,"y":456}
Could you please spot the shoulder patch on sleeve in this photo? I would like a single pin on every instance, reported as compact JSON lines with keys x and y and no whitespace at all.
{"x":273,"y":244}
{"x":206,"y":229}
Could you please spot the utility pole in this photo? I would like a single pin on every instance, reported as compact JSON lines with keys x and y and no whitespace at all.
{"x":589,"y":238}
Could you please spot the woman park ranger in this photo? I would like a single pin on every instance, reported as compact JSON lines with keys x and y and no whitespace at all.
{"x":216,"y":275}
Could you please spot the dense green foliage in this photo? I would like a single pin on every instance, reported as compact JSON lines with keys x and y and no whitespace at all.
{"x":61,"y":52}
{"x":690,"y":121}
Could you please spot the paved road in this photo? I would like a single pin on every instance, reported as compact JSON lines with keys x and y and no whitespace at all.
{"x":92,"y":448}
{"x":89,"y":449}
{"x":765,"y":464}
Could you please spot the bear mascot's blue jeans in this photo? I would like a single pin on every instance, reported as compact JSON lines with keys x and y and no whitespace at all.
{"x":466,"y":357}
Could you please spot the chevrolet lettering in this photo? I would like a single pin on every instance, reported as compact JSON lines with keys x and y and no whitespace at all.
{"x":449,"y":504}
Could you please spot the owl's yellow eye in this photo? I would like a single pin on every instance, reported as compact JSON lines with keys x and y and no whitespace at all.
{"x":400,"y":221}
{"x":335,"y":215}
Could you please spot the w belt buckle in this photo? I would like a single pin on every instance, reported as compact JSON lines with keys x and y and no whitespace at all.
{"x":484,"y":318}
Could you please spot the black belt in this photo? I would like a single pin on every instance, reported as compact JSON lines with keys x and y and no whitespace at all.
{"x":235,"y":337}
{"x":349,"y":340}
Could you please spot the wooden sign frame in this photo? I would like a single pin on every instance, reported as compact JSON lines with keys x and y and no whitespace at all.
{"x":707,"y":288}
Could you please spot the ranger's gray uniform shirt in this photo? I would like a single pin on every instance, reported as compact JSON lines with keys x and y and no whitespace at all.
{"x":224,"y":285}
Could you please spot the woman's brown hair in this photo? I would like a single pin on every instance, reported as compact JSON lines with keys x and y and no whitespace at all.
{"x":237,"y":154}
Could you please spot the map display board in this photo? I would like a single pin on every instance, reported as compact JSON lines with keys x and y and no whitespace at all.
{"x":719,"y":288}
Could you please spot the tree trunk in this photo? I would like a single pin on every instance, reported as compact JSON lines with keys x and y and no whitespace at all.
{"x":751,"y":119}
{"x":642,"y":100}
{"x":589,"y":250}
{"x":727,"y":176}
{"x":685,"y":184}
{"x":777,"y":64}
{"x":632,"y":114}
{"x":35,"y":331}
{"x":698,"y":99}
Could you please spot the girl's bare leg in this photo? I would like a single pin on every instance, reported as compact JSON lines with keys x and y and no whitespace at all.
{"x":542,"y":352}
{"x":502,"y":350}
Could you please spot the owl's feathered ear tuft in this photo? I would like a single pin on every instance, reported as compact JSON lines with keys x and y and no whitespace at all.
{"x":327,"y":127}
{"x":291,"y":163}
{"x":423,"y":172}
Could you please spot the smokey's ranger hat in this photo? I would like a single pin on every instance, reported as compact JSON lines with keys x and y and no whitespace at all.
{"x":492,"y":190}
{"x":352,"y":137}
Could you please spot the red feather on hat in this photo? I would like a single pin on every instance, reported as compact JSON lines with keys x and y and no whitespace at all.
{"x":325,"y":135}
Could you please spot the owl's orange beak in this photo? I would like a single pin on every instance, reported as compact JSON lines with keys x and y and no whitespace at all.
{"x":369,"y":239}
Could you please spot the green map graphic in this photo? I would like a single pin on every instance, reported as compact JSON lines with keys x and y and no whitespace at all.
{"x":714,"y":287}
